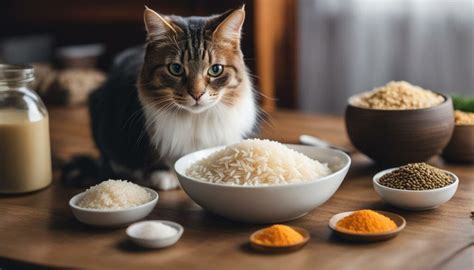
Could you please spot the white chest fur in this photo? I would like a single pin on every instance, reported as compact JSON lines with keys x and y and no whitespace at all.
{"x":176,"y":134}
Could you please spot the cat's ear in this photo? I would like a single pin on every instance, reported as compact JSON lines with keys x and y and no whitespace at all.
{"x":230,"y":26}
{"x":157,"y":25}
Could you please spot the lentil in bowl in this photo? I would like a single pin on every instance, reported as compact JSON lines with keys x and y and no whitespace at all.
{"x":415,"y":199}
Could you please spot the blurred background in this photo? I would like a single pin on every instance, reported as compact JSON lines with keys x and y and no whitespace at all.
{"x":309,"y":55}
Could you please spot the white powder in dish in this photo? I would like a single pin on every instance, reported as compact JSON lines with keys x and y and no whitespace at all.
{"x":155,"y":230}
{"x":114,"y":194}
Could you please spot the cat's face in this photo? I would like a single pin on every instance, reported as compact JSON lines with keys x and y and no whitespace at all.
{"x":192,"y":63}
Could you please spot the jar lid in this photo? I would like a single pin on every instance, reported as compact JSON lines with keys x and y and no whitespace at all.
{"x":16,"y":73}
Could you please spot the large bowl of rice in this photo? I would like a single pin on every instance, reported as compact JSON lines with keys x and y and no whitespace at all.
{"x":261,"y":181}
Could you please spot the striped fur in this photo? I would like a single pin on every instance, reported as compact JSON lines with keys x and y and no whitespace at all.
{"x":185,"y":113}
{"x":226,"y":110}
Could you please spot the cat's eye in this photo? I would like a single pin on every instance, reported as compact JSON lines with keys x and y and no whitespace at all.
{"x":176,"y":69}
{"x":215,"y":70}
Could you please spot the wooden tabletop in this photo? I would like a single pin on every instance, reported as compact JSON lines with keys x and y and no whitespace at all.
{"x":38,"y":229}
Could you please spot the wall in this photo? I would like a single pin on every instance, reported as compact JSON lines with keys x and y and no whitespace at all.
{"x":350,"y":46}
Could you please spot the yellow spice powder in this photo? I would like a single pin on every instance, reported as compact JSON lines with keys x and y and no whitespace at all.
{"x":463,"y":118}
{"x":366,"y":221}
{"x":278,"y":235}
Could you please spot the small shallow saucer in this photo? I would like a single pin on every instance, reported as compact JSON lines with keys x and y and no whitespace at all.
{"x":368,"y":237}
{"x":277,"y":249}
{"x":154,"y":242}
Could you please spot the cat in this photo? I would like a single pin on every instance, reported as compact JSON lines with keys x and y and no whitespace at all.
{"x":186,"y":90}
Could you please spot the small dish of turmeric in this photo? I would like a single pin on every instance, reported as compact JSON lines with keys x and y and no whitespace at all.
{"x":279,"y":238}
{"x":367,"y":225}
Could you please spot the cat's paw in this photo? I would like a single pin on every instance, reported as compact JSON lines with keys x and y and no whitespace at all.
{"x":163,"y":180}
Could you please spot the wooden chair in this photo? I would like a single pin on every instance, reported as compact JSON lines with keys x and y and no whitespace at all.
{"x":275,"y":45}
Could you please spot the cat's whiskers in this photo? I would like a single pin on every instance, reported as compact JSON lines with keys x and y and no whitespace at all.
{"x":265,"y":118}
{"x":253,"y":76}
{"x":262,"y":116}
{"x":157,"y":105}
{"x":147,"y":123}
{"x":228,"y":100}
{"x":170,"y":107}
{"x":136,"y":115}
{"x":180,"y":99}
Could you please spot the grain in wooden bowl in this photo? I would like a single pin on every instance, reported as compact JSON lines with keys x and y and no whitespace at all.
{"x":460,"y":148}
{"x":412,"y":132}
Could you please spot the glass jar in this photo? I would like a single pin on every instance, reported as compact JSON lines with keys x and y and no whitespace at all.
{"x":25,"y":152}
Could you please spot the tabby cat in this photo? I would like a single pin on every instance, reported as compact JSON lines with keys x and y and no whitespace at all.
{"x":188,"y":89}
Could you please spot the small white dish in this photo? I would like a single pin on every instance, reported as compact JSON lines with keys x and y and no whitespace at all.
{"x":132,"y":233}
{"x":265,"y":204}
{"x":112,"y":218}
{"x":415,"y":199}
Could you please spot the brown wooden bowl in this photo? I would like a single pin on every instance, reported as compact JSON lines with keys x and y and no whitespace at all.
{"x":280,"y":249}
{"x":396,"y":137}
{"x":461,"y":146}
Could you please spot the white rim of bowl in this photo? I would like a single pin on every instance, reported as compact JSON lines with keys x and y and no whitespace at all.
{"x":151,"y":191}
{"x":177,"y":226}
{"x":351,"y":98}
{"x":214,"y":149}
{"x":378,"y":175}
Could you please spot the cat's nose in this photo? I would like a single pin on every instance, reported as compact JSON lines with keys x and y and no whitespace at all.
{"x":196,"y":95}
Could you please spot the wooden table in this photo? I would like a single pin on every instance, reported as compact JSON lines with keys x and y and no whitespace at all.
{"x":38,"y":229}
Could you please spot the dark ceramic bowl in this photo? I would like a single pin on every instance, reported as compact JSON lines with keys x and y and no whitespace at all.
{"x":461,"y":146}
{"x":396,"y":137}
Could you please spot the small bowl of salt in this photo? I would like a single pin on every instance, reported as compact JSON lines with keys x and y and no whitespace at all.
{"x":155,"y":233}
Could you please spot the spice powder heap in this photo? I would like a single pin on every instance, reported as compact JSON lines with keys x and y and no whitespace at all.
{"x":416,"y":176}
{"x":278,"y":235}
{"x":366,"y":221}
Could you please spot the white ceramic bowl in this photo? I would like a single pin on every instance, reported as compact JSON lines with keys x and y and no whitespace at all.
{"x":265,"y":204}
{"x":415,"y":199}
{"x":112,"y":218}
{"x":132,"y":233}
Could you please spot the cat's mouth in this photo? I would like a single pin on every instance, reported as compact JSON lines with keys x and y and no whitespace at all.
{"x":193,"y":105}
{"x":196,"y":106}
{"x":199,"y":107}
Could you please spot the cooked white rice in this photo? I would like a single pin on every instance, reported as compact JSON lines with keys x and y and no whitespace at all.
{"x":114,"y":194}
{"x":257,"y":162}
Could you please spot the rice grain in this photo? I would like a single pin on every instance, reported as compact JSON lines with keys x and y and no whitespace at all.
{"x":257,"y":162}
